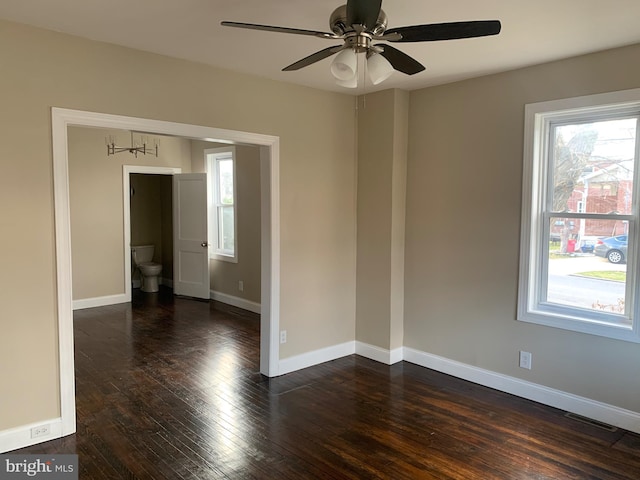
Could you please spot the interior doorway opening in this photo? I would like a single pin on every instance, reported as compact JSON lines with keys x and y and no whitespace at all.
{"x":150,"y":224}
{"x":158,"y":219}
{"x":62,"y":119}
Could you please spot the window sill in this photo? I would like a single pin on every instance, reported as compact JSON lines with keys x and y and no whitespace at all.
{"x":620,"y":330}
{"x":223,"y":258}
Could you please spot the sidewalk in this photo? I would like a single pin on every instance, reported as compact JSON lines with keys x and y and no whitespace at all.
{"x":582,"y":263}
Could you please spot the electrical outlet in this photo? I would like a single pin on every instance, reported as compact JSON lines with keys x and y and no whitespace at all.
{"x":283,"y":336}
{"x":41,"y":431}
{"x":241,"y":285}
{"x":525,"y":360}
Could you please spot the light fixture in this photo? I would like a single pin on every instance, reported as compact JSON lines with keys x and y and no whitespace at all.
{"x":144,"y":146}
{"x":345,"y":66}
{"x":350,"y":83}
{"x":378,"y":67}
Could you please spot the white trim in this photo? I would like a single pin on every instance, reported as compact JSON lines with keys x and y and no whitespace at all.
{"x":316,"y":357}
{"x":236,"y":301}
{"x":211,"y":158}
{"x":586,"y":407}
{"x":101,"y":301}
{"x":382,"y":355}
{"x":20,"y":437}
{"x":61,"y":119}
{"x":62,"y":219}
{"x":270,"y":254}
{"x":127,"y":170}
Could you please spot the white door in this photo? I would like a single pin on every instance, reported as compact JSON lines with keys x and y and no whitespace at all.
{"x":190,"y":248}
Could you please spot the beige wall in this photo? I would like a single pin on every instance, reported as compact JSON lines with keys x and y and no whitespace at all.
{"x":166,"y":220}
{"x":42,"y":69}
{"x":97,"y":214}
{"x":463,"y":226}
{"x":226,"y":275}
{"x":382,"y":159}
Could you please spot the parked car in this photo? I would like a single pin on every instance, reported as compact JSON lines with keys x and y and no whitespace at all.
{"x":613,"y":249}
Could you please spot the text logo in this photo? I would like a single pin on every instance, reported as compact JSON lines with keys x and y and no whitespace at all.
{"x":51,"y":467}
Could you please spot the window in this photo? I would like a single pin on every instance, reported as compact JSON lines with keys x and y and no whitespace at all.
{"x":579,"y":238}
{"x":221,"y":174}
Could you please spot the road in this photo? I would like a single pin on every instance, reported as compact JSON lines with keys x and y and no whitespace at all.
{"x":567,"y":287}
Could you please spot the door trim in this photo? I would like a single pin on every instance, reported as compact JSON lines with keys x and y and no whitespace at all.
{"x":61,"y":119}
{"x":126,"y":202}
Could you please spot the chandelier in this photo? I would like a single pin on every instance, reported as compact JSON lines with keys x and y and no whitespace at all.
{"x":144,"y":145}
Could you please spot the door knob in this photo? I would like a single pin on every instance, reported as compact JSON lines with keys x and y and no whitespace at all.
{"x":204,"y":244}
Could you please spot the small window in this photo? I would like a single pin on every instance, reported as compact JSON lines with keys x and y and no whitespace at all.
{"x":579,"y":246}
{"x":221,"y":173}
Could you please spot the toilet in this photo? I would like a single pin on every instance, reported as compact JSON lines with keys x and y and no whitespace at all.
{"x":149,"y":271}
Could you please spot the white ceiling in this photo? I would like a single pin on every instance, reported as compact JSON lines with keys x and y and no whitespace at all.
{"x":533,"y":31}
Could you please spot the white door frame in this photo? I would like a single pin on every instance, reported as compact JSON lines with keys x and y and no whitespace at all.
{"x":269,"y":145}
{"x":126,"y":202}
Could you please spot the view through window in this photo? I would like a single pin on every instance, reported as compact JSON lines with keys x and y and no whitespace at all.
{"x":222,"y":210}
{"x":591,"y":193}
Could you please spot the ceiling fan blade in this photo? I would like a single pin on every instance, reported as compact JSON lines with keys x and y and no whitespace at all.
{"x":399,"y":60}
{"x":270,"y":28}
{"x":446,"y":31}
{"x":363,"y":12}
{"x":313,"y":58}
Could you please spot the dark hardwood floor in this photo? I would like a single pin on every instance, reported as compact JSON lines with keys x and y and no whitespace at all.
{"x":169,"y":388}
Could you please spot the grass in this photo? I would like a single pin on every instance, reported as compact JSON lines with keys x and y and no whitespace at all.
{"x":606,"y":275}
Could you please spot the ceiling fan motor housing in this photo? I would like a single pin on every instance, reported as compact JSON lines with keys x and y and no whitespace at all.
{"x":338,"y":23}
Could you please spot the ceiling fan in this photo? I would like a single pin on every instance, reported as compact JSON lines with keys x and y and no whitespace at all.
{"x":359,"y":23}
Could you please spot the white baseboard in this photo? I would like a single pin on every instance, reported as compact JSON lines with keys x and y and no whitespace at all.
{"x":378,"y":354}
{"x":586,"y":407}
{"x":603,"y":412}
{"x":20,"y":437}
{"x":100,"y":301}
{"x":316,"y":357}
{"x":236,"y":301}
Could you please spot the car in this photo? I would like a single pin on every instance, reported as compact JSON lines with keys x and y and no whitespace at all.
{"x":613,"y":249}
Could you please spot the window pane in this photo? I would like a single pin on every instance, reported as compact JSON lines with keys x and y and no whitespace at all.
{"x":586,"y":266}
{"x":593,"y":166}
{"x":226,"y":229}
{"x":225,"y":179}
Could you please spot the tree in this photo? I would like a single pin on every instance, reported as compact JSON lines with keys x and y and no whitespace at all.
{"x":570,"y":160}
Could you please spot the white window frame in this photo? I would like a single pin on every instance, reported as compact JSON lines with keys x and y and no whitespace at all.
{"x":533,"y":249}
{"x":212,"y":156}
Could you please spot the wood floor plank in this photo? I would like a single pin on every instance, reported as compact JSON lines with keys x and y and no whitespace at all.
{"x":169,"y":388}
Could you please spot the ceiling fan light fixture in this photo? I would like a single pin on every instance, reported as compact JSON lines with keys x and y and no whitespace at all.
{"x":350,"y":83}
{"x":344,"y":65}
{"x":379,"y":68}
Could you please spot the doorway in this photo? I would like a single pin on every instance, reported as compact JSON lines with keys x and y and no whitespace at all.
{"x":270,"y":220}
{"x":156,"y":233}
